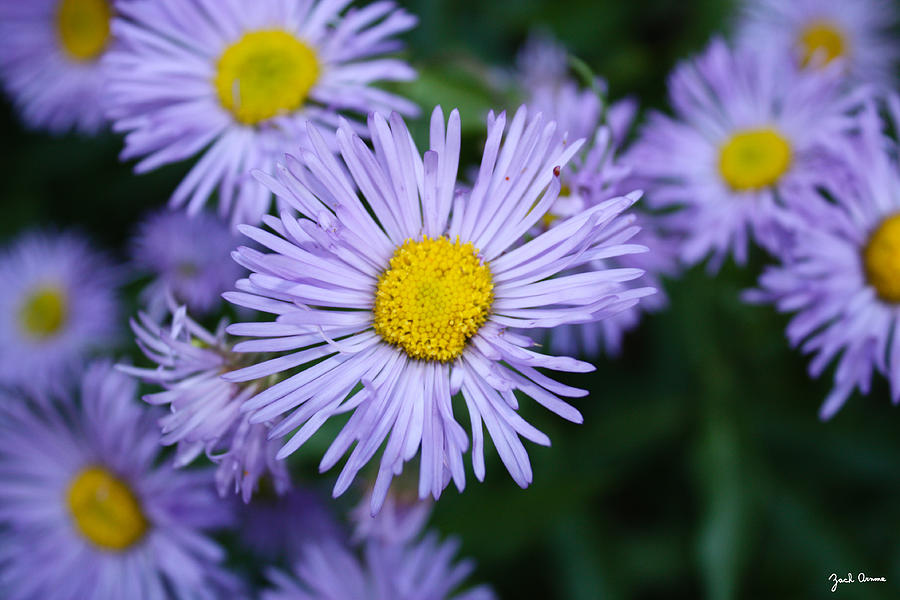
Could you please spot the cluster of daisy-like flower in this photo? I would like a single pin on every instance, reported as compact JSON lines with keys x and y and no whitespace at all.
{"x":382,"y":289}
{"x":784,"y":140}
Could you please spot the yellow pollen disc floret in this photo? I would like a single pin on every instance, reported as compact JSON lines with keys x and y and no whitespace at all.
{"x":83,"y":27}
{"x":434,"y":296}
{"x":105,"y":510}
{"x":881,"y":259}
{"x":822,"y":38}
{"x":754,"y":159}
{"x":264,"y":74}
{"x":44,"y":312}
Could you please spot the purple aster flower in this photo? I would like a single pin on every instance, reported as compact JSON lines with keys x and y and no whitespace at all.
{"x":749,"y":129}
{"x":595,"y":175}
{"x":386,"y":568}
{"x":190,"y":257}
{"x":57,"y":302}
{"x":236,"y":81}
{"x":841,"y":274}
{"x":607,"y":335}
{"x":50,"y":61}
{"x":205,"y":410}
{"x":817,"y":32}
{"x":416,"y":301}
{"x":83,"y":491}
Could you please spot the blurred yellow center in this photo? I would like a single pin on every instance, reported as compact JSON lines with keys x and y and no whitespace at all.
{"x":44,"y":312}
{"x":881,"y":259}
{"x":83,"y":27}
{"x":822,"y":38}
{"x":264,"y":74}
{"x":754,"y":159}
{"x":434,"y":296}
{"x":549,"y":218}
{"x":105,"y":510}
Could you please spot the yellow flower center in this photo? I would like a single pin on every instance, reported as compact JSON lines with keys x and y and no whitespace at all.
{"x":434,"y":296}
{"x":264,"y":74}
{"x":881,"y":259}
{"x":83,"y":27}
{"x":105,"y":510}
{"x":44,"y":312}
{"x":822,"y":38}
{"x":754,"y":159}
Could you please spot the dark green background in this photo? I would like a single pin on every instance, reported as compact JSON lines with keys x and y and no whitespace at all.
{"x":702,"y":470}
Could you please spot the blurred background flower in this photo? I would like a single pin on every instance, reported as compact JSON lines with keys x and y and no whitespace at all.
{"x":87,"y":512}
{"x":50,"y":61}
{"x":57,"y":303}
{"x":188,"y":259}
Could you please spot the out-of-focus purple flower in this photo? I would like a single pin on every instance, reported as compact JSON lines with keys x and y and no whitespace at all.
{"x":190,"y":258}
{"x":389,"y":565}
{"x":749,"y":130}
{"x":543,"y":75}
{"x":542,"y":62}
{"x":594,"y":175}
{"x":205,"y":410}
{"x":422,"y":571}
{"x":57,"y":302}
{"x":50,"y":61}
{"x":842,"y":271}
{"x":419,"y":305}
{"x":83,"y":492}
{"x":236,"y":81}
{"x":401,"y":519}
{"x":607,"y":335}
{"x":816,"y":32}
{"x":275,"y":526}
